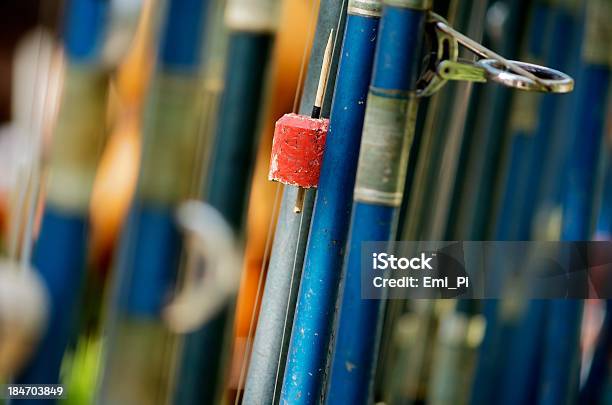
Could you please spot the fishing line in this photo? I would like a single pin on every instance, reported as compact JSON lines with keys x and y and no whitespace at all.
{"x":273,"y":218}
{"x":35,"y":171}
{"x":252,"y":325}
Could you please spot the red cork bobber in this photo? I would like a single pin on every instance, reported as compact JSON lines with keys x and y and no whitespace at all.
{"x":299,"y":141}
{"x":297,"y":150}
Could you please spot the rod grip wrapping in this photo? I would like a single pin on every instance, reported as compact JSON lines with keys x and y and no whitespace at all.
{"x":388,"y":131}
{"x":366,"y":8}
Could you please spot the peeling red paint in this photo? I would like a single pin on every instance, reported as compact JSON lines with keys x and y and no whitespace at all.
{"x":297,"y":150}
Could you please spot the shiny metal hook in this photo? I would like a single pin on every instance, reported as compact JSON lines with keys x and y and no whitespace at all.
{"x":553,"y":81}
{"x":445,"y":65}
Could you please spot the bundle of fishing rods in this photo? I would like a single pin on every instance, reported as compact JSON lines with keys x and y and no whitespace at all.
{"x":194,"y":187}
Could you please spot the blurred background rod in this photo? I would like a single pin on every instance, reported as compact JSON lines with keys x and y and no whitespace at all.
{"x":78,"y":137}
{"x":252,"y":26}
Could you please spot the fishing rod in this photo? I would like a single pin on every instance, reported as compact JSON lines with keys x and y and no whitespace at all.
{"x":501,"y":315}
{"x":252,"y":25}
{"x":332,"y":207}
{"x":433,"y":163}
{"x":60,"y":251}
{"x":448,"y":138}
{"x":216,"y":40}
{"x":136,"y":347}
{"x":331,"y":216}
{"x":301,"y":170}
{"x":215,"y":59}
{"x":422,"y":183}
{"x":282,"y":281}
{"x":533,"y":120}
{"x":385,"y":145}
{"x":561,"y":357}
{"x":483,"y":144}
{"x":511,"y":328}
{"x":430,"y":144}
{"x":563,"y":26}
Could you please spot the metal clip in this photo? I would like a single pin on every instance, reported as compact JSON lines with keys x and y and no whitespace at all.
{"x":444,"y":64}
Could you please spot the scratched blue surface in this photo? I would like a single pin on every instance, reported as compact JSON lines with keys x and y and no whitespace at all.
{"x":356,"y":341}
{"x":359,"y":321}
{"x":329,"y":229}
{"x":399,"y":41}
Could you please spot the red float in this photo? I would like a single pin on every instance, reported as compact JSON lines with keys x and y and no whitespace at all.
{"x":297,"y":150}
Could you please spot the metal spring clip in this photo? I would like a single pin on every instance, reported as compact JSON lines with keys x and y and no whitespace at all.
{"x":443,"y":65}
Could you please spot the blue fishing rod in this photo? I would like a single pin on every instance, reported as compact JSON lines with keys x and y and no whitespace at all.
{"x":267,"y":363}
{"x":331,"y":216}
{"x":515,"y":338}
{"x":524,"y":120}
{"x":424,"y":216}
{"x":493,"y":106}
{"x":560,"y":372}
{"x":60,"y":251}
{"x":386,"y":140}
{"x":551,"y":23}
{"x":252,"y":25}
{"x":136,"y":349}
{"x":323,"y":260}
{"x":482,"y":146}
{"x":563,"y":26}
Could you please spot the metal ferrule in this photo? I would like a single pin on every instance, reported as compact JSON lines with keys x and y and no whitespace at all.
{"x":381,"y":171}
{"x":365,"y":8}
{"x":414,"y":4}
